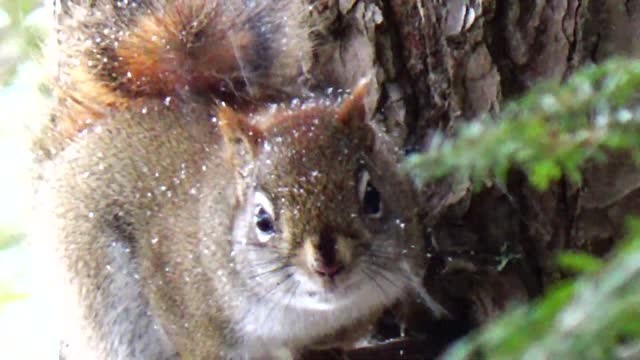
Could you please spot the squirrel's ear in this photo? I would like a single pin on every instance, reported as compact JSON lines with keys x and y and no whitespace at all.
{"x":242,"y":138}
{"x":352,"y":114}
{"x":352,"y":110}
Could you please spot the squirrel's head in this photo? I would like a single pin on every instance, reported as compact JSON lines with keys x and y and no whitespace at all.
{"x":324,"y":219}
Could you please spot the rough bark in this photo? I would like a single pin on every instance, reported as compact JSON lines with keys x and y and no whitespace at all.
{"x":439,"y":62}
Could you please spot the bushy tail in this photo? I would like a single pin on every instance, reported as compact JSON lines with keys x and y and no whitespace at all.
{"x":115,"y":54}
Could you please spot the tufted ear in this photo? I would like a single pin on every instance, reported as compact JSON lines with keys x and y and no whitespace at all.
{"x":353,"y":115}
{"x":242,"y":139}
{"x":352,"y":110}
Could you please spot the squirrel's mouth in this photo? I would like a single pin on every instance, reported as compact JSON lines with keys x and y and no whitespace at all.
{"x":340,"y":283}
{"x":344,"y":295}
{"x":335,"y":287}
{"x":356,"y":284}
{"x":325,"y":292}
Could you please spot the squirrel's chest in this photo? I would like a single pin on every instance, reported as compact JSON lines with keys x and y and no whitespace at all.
{"x":285,"y":326}
{"x":274,"y":332}
{"x":276,"y":327}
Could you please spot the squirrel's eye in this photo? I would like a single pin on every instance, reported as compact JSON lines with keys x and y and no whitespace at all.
{"x":264,"y":223}
{"x":265,"y":226}
{"x":369,"y":196}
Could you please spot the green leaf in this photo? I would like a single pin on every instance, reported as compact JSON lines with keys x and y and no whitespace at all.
{"x":543,"y":172}
{"x":579,"y":262}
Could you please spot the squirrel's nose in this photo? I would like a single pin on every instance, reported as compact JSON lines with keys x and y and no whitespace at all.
{"x":328,"y":270}
{"x":327,"y":263}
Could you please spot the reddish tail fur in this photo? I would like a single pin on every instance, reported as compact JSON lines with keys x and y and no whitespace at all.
{"x":114,"y":56}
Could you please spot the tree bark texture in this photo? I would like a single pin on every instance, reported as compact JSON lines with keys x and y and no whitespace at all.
{"x":437,"y":63}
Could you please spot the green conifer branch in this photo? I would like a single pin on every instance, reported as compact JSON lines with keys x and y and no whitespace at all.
{"x":549,"y":132}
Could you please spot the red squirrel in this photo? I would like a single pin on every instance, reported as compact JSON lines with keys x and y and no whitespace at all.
{"x":196,"y":211}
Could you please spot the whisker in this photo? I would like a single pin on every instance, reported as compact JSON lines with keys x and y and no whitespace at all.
{"x":251,"y":245}
{"x":277,"y":301}
{"x":295,"y":290}
{"x":395,"y":253}
{"x":415,"y":284}
{"x":270,"y":271}
{"x":419,"y":288}
{"x":262,"y":296}
{"x":384,"y":267}
{"x":380,"y":271}
{"x":273,"y":260}
{"x":364,"y":271}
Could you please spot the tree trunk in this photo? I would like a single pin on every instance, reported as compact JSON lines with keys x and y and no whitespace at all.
{"x":437,"y":63}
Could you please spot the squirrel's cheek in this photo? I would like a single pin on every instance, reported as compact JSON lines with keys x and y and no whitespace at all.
{"x":308,"y":253}
{"x":344,"y":250}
